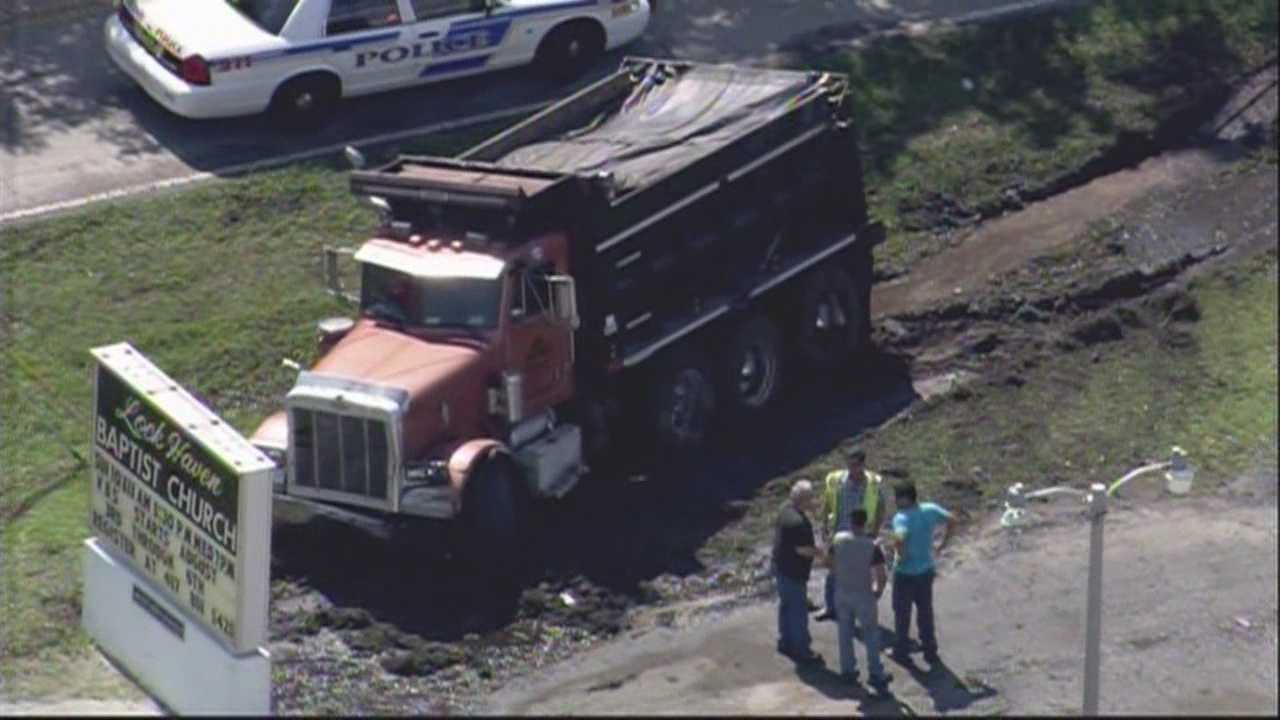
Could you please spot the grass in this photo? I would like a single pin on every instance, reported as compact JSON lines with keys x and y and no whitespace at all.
{"x":1215,"y":396}
{"x":216,"y":284}
{"x":1048,"y":94}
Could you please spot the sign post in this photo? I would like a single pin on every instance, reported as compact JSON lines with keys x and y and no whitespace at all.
{"x":177,"y":574}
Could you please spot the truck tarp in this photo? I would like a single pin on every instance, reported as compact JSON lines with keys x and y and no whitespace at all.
{"x":665,"y":123}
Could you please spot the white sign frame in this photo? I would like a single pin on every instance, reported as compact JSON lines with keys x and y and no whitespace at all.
{"x":170,"y":433}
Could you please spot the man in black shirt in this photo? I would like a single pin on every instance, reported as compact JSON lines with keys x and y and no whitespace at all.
{"x":793,"y":554}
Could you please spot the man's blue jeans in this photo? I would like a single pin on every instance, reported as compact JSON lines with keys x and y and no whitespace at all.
{"x":863,"y":611}
{"x":793,"y":615}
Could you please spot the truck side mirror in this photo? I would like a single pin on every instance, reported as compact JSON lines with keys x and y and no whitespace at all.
{"x":333,"y":275}
{"x":564,"y":299}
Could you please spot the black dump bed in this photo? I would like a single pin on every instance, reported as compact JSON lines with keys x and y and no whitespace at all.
{"x":685,"y":189}
{"x":667,"y":121}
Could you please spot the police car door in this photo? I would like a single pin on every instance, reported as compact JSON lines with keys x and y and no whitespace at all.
{"x":375,"y":33}
{"x":454,"y":37}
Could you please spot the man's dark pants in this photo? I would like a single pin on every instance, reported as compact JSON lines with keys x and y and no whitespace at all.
{"x":914,"y":590}
{"x":793,"y":615}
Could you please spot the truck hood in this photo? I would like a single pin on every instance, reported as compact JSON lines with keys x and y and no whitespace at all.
{"x":377,"y":354}
{"x":211,"y":28}
{"x":445,"y":381}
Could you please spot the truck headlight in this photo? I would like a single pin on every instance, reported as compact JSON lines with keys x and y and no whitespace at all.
{"x":434,"y":473}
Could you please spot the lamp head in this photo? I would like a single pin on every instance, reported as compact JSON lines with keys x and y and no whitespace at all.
{"x":1181,"y":475}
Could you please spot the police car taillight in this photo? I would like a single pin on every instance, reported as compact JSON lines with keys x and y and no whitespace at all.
{"x":195,"y":70}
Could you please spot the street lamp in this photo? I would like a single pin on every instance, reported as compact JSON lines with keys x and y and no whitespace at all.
{"x":1178,"y":479}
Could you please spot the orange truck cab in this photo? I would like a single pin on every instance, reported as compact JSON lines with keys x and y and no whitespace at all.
{"x":644,"y":258}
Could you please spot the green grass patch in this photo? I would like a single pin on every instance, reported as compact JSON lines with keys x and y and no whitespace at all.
{"x":1048,"y":93}
{"x":216,"y":285}
{"x":1209,"y":387}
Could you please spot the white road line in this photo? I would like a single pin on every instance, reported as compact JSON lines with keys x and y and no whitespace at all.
{"x":35,"y":212}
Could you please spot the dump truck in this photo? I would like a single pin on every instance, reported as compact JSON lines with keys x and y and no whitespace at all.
{"x":647,"y":258}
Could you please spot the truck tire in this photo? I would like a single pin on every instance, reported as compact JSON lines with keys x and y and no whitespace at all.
{"x":832,"y":322}
{"x":684,"y":402}
{"x":305,"y":102}
{"x":568,"y":50}
{"x":493,"y":523}
{"x":751,"y":366}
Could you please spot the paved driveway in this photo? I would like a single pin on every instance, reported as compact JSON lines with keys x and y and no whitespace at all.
{"x":1189,"y":628}
{"x":72,"y":126}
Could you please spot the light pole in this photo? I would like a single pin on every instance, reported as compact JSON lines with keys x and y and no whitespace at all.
{"x":1178,"y":481}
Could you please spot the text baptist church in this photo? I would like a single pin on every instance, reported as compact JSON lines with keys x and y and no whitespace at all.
{"x":178,"y":492}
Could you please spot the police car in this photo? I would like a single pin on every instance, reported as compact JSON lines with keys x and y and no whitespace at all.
{"x":296,"y":58}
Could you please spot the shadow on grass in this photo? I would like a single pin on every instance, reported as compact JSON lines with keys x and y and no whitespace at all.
{"x":1014,"y":107}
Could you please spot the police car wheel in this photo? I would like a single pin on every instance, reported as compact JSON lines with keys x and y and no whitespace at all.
{"x":570,"y":49}
{"x":305,"y":102}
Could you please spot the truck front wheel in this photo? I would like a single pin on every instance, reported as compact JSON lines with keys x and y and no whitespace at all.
{"x":832,"y":321}
{"x":684,"y":402}
{"x":492,"y":519}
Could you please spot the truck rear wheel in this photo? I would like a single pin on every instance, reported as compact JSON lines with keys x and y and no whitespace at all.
{"x":684,"y":402}
{"x":751,"y":367}
{"x":832,"y":322}
{"x":493,"y":523}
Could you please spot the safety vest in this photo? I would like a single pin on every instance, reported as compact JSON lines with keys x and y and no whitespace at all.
{"x":831,"y":497}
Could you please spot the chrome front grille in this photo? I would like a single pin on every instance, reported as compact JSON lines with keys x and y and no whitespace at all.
{"x":339,"y":453}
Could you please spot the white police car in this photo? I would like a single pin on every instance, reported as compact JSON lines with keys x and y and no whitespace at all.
{"x":296,"y":58}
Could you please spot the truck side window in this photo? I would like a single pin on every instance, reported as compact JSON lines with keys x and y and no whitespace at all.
{"x":431,"y":9}
{"x":533,"y":294}
{"x":347,"y":16}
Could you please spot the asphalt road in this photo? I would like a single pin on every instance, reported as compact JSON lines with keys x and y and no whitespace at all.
{"x":1189,"y":628}
{"x":72,"y":126}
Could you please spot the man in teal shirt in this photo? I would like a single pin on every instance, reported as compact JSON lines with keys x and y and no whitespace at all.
{"x":913,"y":527}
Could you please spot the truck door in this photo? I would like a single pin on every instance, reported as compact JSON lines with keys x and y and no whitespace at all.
{"x":539,"y":344}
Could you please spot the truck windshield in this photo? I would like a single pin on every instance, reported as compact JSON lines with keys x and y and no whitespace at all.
{"x":440,"y":302}
{"x":270,"y":15}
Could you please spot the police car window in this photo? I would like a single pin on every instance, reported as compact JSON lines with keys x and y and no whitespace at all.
{"x":354,"y":15}
{"x":270,"y":15}
{"x":429,"y":9}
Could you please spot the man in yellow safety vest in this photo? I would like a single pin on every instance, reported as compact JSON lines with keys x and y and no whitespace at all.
{"x":843,"y":490}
